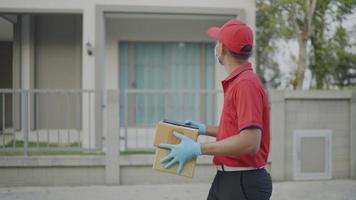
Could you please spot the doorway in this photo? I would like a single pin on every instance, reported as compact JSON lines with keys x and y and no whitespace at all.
{"x":6,"y":74}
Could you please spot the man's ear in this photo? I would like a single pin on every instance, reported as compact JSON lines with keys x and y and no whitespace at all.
{"x":223,"y":49}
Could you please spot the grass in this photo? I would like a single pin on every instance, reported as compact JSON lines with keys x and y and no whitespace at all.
{"x":45,"y":149}
{"x":135,"y":152}
{"x":20,"y":143}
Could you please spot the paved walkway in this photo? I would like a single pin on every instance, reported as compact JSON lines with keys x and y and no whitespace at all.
{"x":315,"y":190}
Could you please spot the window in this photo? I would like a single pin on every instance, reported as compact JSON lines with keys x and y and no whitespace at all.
{"x":168,"y":77}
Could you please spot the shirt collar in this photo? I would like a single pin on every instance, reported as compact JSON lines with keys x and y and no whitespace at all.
{"x":243,"y":67}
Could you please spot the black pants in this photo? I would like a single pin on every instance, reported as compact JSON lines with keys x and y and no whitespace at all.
{"x":241,"y":185}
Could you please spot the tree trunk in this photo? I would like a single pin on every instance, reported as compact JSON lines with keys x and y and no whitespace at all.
{"x":301,"y":65}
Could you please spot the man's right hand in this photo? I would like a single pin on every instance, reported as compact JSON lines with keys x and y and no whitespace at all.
{"x":200,"y":126}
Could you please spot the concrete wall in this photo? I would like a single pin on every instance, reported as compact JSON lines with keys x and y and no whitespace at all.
{"x":311,"y":110}
{"x":55,"y":176}
{"x":320,"y":114}
{"x":90,"y":170}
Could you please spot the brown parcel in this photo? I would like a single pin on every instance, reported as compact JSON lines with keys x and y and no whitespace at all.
{"x":164,"y":134}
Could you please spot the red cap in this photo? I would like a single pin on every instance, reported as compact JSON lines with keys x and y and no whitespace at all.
{"x":235,"y":35}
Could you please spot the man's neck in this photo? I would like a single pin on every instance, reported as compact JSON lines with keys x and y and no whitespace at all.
{"x":232,"y":66}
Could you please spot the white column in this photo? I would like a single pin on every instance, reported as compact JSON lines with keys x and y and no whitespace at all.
{"x":16,"y":73}
{"x":110,"y":100}
{"x":249,"y":16}
{"x":26,"y":66}
{"x":277,"y":121}
{"x":93,"y":76}
{"x":26,"y":52}
{"x":100,"y":69}
{"x":88,"y":78}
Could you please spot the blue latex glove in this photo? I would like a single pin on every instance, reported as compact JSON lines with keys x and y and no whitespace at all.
{"x":200,"y":126}
{"x":183,"y":152}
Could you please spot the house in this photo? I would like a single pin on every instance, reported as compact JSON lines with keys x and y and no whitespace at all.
{"x":107,"y":44}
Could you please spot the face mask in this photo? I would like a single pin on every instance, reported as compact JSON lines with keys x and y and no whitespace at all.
{"x":216,"y":53}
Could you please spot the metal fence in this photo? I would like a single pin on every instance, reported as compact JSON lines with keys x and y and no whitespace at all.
{"x":140,"y":110}
{"x":43,"y":120}
{"x":60,"y":121}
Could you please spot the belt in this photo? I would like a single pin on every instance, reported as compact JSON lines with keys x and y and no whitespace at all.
{"x":225,"y":168}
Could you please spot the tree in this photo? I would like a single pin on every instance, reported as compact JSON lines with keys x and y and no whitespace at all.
{"x":266,"y":35}
{"x":304,"y":21}
{"x":344,"y":70}
{"x":288,"y":19}
{"x":298,"y":16}
{"x":322,"y":52}
{"x":328,"y":53}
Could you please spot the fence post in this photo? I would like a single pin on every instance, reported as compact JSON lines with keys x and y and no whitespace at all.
{"x":353,"y":136}
{"x":112,"y":139}
{"x":25,"y":119}
{"x":277,"y":113}
{"x":126,"y":102}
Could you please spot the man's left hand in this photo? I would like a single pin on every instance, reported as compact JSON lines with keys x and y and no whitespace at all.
{"x":186,"y":150}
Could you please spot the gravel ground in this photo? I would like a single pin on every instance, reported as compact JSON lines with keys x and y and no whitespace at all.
{"x":315,"y":190}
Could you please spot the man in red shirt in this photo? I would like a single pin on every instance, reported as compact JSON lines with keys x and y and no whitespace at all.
{"x":243,"y":135}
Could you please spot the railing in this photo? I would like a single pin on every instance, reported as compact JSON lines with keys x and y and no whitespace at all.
{"x":60,"y":121}
{"x":140,"y":110}
{"x":43,"y":120}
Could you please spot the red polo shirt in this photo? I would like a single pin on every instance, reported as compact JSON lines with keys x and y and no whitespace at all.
{"x":245,"y":106}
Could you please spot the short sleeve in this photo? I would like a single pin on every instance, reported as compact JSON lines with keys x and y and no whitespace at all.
{"x":249,"y":105}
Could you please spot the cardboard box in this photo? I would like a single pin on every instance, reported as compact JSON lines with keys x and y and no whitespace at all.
{"x":164,"y":134}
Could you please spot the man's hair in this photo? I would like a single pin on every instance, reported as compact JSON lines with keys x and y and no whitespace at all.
{"x":245,"y":54}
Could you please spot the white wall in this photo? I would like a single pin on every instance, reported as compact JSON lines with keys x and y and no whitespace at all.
{"x":58,"y":51}
{"x":149,"y":27}
{"x":58,"y":66}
